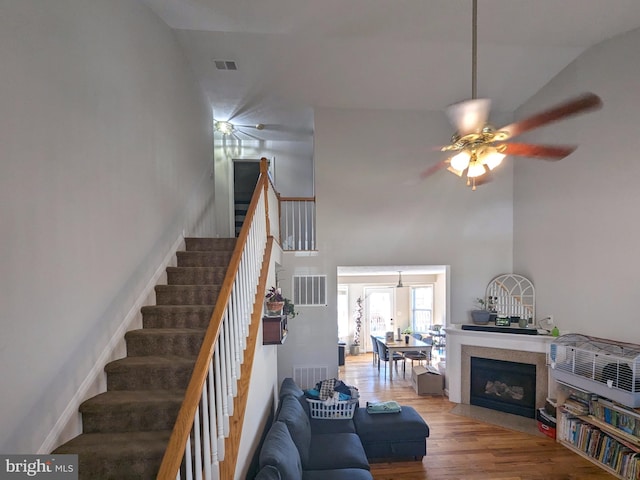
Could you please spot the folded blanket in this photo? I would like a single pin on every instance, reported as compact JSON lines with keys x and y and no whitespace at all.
{"x":384,"y":407}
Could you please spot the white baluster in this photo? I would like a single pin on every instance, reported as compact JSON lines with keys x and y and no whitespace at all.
{"x":198,"y":449}
{"x":212,"y":424}
{"x":219,"y":401}
{"x":188,"y":465}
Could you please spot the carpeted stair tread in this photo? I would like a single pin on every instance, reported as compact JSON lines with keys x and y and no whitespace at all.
{"x":178,"y":316}
{"x":117,"y":456}
{"x":161,"y":341}
{"x":204,"y":259}
{"x":149,"y":372}
{"x":187,"y":294}
{"x":196,"y":275}
{"x":126,"y":411}
{"x":127,"y":428}
{"x":209,"y":244}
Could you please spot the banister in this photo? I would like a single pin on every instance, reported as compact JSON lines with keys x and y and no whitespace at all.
{"x":232,"y":442}
{"x":174,"y":453}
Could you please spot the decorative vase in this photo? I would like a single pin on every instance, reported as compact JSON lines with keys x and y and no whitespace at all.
{"x":480,"y":317}
{"x":275,"y":308}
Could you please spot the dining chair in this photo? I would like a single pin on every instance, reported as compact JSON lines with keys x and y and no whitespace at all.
{"x":418,"y":355}
{"x":383,"y":355}
{"x":376,"y":353}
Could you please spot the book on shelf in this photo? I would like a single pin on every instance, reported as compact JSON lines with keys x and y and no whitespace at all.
{"x":575,"y":406}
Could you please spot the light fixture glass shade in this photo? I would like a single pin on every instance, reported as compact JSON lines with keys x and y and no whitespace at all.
{"x":224,"y":127}
{"x":492,"y":159}
{"x":475,"y":169}
{"x":460,"y":161}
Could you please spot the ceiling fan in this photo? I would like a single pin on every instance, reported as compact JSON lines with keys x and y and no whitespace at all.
{"x":477,"y":148}
{"x":227,"y":128}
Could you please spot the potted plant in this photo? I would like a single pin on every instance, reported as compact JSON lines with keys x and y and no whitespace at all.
{"x":480,"y":315}
{"x":407,"y":332}
{"x":289,"y":308}
{"x":278,"y":304}
{"x":355,"y":345}
{"x":275,"y":301}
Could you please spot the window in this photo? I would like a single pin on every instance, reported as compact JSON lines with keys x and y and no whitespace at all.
{"x":343,"y":312}
{"x":421,"y":308}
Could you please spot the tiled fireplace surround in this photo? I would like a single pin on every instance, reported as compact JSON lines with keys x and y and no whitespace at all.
{"x":464,"y":344}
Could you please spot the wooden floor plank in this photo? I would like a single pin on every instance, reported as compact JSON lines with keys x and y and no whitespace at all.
{"x":461,"y":448}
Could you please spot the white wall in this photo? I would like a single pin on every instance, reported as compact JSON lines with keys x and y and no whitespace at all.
{"x":576,"y":221}
{"x":372,"y":211}
{"x":106,"y":156}
{"x":291,"y":168}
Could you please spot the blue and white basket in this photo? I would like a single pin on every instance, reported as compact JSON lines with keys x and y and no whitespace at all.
{"x":339,"y":410}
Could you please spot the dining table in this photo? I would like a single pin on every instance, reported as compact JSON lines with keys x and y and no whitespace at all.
{"x":402,"y":345}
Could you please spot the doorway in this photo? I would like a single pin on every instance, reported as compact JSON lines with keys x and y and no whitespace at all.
{"x":245,"y":178}
{"x":379,"y":308}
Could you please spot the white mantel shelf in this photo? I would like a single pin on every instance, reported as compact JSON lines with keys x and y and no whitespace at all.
{"x":456,"y":337}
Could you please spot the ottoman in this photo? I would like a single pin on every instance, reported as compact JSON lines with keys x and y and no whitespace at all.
{"x":392,"y":435}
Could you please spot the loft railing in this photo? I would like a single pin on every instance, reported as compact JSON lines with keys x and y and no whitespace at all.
{"x":298,"y":223}
{"x":203,"y":443}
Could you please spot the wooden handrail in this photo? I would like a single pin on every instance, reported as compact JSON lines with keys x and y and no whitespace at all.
{"x":175,"y":449}
{"x":297,"y":199}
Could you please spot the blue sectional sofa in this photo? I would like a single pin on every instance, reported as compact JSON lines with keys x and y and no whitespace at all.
{"x":298,"y":447}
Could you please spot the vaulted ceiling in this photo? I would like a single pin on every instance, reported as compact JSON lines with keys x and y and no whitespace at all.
{"x":295,"y":55}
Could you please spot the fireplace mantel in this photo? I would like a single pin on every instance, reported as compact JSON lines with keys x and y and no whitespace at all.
{"x":456,"y":338}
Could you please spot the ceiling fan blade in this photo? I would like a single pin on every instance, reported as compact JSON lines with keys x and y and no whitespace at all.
{"x":547,"y":152}
{"x":469,"y":116}
{"x":580,"y":104}
{"x":433,"y":169}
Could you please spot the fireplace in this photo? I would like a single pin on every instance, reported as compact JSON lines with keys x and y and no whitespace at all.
{"x":503,"y":385}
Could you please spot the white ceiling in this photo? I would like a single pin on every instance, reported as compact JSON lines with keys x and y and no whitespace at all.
{"x":295,"y":55}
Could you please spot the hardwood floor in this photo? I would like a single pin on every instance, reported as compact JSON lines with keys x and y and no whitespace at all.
{"x":460,"y":448}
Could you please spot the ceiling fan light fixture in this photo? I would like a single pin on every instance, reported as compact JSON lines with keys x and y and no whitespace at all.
{"x":224,"y":127}
{"x":460,"y":161}
{"x":476,"y":169}
{"x":492,"y":158}
{"x":454,"y":171}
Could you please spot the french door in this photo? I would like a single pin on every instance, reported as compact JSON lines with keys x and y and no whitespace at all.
{"x":379,"y":308}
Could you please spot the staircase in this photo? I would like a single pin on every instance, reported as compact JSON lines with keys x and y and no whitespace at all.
{"x":126,"y":429}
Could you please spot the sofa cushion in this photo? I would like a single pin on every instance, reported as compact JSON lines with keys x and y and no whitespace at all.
{"x":297,"y":421}
{"x":279,"y":451}
{"x":342,"y":474}
{"x":321,"y":425}
{"x":289,"y":387}
{"x":268,"y":472}
{"x":336,"y":451}
{"x":390,"y":435}
{"x":402,"y":426}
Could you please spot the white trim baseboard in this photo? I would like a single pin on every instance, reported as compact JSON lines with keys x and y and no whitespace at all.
{"x":64,"y":423}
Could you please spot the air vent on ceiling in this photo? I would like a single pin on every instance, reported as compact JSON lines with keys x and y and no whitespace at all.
{"x":225,"y":64}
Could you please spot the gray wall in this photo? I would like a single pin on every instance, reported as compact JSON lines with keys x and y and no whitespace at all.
{"x":106,"y":160}
{"x":576,"y":223}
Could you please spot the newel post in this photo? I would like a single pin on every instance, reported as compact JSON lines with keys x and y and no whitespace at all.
{"x":264,"y":172}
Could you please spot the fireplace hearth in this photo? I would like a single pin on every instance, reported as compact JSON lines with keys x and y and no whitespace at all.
{"x":505,"y":386}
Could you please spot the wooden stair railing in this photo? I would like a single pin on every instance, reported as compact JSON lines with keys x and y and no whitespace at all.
{"x":217,"y":392}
